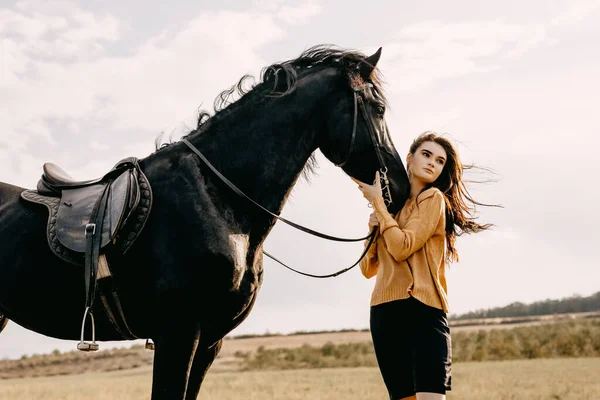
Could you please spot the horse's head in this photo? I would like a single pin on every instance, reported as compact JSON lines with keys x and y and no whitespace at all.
{"x":356,"y":137}
{"x":335,"y":100}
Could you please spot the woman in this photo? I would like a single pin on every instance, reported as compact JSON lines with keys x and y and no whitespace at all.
{"x":409,"y":303}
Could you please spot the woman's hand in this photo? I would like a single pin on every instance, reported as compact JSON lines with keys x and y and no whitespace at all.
{"x":373,"y":222}
{"x":370,"y":191}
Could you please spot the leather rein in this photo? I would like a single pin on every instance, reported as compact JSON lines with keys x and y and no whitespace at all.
{"x":383,"y":173}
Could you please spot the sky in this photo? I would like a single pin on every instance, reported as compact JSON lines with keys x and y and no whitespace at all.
{"x":514,"y":84}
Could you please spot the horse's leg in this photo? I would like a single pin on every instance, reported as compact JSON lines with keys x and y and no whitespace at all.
{"x":202,"y":362}
{"x":175,"y":345}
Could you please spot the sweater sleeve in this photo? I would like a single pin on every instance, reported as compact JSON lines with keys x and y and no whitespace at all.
{"x":420,"y":226}
{"x":369,"y":264}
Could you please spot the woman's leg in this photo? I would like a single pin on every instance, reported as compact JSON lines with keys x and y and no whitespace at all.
{"x":433,"y":374}
{"x":391,"y":330}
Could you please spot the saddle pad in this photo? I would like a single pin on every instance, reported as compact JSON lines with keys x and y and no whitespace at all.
{"x":51,"y":204}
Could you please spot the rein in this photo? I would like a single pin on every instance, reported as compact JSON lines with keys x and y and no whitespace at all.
{"x":385,"y":189}
{"x":242,"y":194}
{"x":371,"y":235}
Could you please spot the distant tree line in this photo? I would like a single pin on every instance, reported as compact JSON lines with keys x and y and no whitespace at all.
{"x":578,"y":338}
{"x":573,"y":304}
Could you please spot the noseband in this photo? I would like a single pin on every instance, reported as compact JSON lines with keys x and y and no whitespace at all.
{"x":383,"y":175}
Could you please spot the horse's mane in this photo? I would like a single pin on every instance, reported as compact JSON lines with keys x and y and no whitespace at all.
{"x":280,"y":79}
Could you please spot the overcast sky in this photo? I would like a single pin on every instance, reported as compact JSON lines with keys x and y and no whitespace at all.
{"x":515,"y":84}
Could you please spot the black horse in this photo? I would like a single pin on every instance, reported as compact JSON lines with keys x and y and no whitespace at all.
{"x":194,"y":272}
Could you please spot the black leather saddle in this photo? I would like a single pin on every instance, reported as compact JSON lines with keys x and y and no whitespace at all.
{"x":89,"y":218}
{"x":102,"y":205}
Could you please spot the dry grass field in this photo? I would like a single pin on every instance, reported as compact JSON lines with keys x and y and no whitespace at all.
{"x":542,"y":379}
{"x":127,"y":372}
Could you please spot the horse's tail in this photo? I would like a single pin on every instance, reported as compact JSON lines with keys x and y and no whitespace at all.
{"x":3,"y":322}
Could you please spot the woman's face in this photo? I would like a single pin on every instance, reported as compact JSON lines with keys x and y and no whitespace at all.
{"x":427,"y":163}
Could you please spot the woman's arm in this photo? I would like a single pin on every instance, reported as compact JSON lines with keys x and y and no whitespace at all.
{"x":369,"y":264}
{"x":421,"y":225}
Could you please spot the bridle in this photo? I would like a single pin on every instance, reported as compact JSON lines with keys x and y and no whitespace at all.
{"x":385,"y":187}
{"x":383,"y":174}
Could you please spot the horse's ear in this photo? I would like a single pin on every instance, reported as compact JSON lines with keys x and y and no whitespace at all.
{"x":367,"y":65}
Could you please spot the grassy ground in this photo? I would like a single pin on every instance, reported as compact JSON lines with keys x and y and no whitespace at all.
{"x":554,"y":379}
{"x":573,"y":337}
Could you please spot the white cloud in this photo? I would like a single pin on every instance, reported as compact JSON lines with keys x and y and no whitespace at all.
{"x":299,"y":14}
{"x":168,"y":73}
{"x":29,"y":27}
{"x":576,"y":11}
{"x":531,"y":37}
{"x":498,"y":236}
{"x":426,"y":52}
{"x":173,"y":72}
{"x":268,"y":5}
{"x":99,"y":146}
{"x":59,"y":32}
{"x":423,"y":53}
{"x":35,"y":40}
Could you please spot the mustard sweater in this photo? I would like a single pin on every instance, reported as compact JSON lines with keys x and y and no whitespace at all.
{"x":408,"y":255}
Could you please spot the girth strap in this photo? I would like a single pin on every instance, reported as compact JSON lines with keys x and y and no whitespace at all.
{"x":110,"y":300}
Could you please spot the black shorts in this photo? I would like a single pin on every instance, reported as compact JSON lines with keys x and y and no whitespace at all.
{"x":413,"y":347}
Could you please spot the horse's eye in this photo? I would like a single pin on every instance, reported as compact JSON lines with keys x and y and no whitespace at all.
{"x":380,"y":110}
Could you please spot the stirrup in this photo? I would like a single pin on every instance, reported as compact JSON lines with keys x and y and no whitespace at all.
{"x":149,"y":345}
{"x":83,"y":345}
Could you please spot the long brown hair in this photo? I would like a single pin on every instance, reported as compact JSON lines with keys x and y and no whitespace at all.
{"x":460,"y":216}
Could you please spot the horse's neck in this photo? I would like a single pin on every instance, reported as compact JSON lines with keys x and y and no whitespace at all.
{"x":263,"y":156}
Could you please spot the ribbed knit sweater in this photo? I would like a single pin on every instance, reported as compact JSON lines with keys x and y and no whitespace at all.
{"x":408,"y":254}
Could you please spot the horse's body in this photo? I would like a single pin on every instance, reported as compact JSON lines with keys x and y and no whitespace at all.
{"x":194,"y":272}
